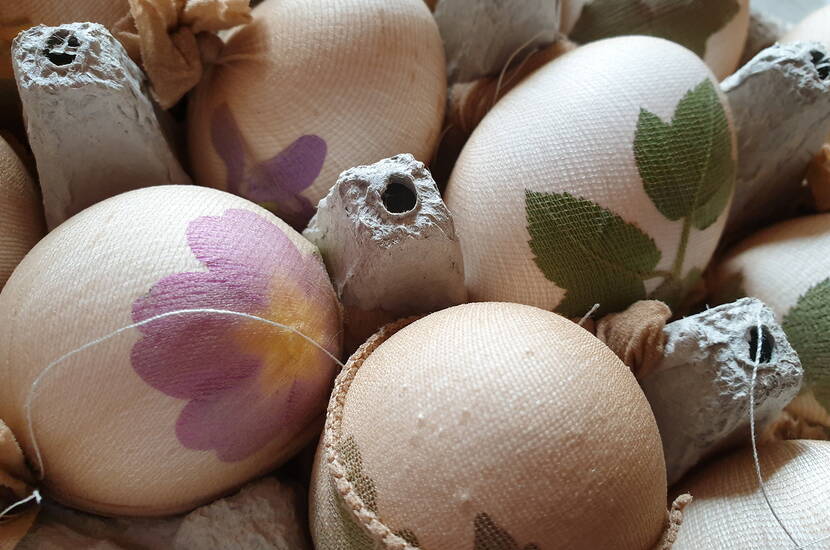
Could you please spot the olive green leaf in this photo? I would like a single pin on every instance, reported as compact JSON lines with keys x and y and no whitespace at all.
{"x":686,"y":165}
{"x":672,"y":291}
{"x":807,"y":326}
{"x":687,"y":22}
{"x":489,"y":536}
{"x":356,"y":537}
{"x":592,"y":253}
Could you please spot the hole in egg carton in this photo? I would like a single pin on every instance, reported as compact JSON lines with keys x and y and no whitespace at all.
{"x":767,"y":344}
{"x":399,"y":195}
{"x":61,"y":47}
{"x":821,"y":62}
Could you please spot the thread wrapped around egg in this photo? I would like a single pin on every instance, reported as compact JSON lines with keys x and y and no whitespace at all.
{"x":488,"y":425}
{"x":21,"y":215}
{"x":183,"y":407}
{"x":729,"y":511}
{"x":788,"y":267}
{"x":311,"y":88}
{"x":715,"y":30}
{"x":603,"y":178}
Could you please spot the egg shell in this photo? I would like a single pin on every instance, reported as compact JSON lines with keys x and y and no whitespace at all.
{"x":314,"y":87}
{"x":813,"y":28}
{"x":570,"y":129}
{"x":716,"y":30}
{"x":170,"y":414}
{"x":483,"y":423}
{"x":729,"y":511}
{"x":788,"y":267}
{"x":21,"y":215}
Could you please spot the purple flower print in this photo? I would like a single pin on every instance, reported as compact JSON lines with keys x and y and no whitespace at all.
{"x":277,"y":182}
{"x":247,"y":385}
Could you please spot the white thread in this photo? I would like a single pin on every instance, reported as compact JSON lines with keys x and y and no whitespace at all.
{"x":31,"y":395}
{"x":756,"y":363}
{"x":34,"y":496}
{"x":590,"y":312}
{"x":513,"y":55}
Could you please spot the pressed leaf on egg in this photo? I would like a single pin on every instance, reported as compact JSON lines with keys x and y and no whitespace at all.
{"x":489,"y":536}
{"x":686,"y":164}
{"x":807,"y":326}
{"x":592,"y":253}
{"x":687,"y":22}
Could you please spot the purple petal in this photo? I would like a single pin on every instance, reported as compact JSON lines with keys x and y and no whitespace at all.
{"x":289,"y":172}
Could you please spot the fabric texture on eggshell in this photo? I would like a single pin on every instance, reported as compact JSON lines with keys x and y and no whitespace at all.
{"x":729,"y":512}
{"x":788,"y":267}
{"x":455,"y":431}
{"x":175,"y":412}
{"x":605,"y":177}
{"x":21,"y":214}
{"x":715,"y":30}
{"x":311,"y":88}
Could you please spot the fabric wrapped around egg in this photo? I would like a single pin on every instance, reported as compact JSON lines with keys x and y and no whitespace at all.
{"x":788,"y":267}
{"x":183,"y":408}
{"x":311,"y":88}
{"x":605,"y":177}
{"x":21,"y":215}
{"x":488,"y":425}
{"x":729,"y":511}
{"x":715,"y":30}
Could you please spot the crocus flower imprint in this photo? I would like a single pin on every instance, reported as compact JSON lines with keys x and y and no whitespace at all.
{"x":248,"y":384}
{"x":276,"y":183}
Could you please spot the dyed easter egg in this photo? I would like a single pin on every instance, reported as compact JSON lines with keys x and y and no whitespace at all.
{"x":715,"y":30}
{"x":729,"y":511}
{"x":21,"y":215}
{"x":182,"y":407}
{"x":788,"y":267}
{"x":314,"y":87}
{"x":604,"y":177}
{"x":488,"y":425}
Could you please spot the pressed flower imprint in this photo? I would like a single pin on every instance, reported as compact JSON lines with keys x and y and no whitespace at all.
{"x":275,"y":183}
{"x":247,"y":384}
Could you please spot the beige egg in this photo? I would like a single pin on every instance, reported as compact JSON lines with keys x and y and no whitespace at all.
{"x":21,"y":215}
{"x":161,"y":417}
{"x":605,"y":177}
{"x":311,"y":88}
{"x":488,"y":425}
{"x":788,"y":267}
{"x":813,"y":28}
{"x":729,"y":511}
{"x":715,"y":30}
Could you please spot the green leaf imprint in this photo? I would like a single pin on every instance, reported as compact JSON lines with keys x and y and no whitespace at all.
{"x":672,"y":291}
{"x":592,"y":253}
{"x":807,"y":326}
{"x":686,"y":165}
{"x":357,"y":538}
{"x":489,"y":536}
{"x":687,"y":22}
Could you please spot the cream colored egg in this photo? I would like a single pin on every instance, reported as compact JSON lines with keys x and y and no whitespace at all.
{"x":729,"y":511}
{"x":311,"y":88}
{"x":813,"y":28}
{"x":716,"y":30}
{"x":21,"y":215}
{"x":788,"y":267}
{"x":488,"y":425}
{"x":184,"y":407}
{"x":605,"y":177}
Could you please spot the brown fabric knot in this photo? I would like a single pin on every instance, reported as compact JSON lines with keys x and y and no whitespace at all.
{"x":636,"y":335}
{"x":14,"y":487}
{"x":173,"y":39}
